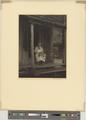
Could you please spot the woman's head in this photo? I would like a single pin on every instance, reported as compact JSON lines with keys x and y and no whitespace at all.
{"x":39,"y":44}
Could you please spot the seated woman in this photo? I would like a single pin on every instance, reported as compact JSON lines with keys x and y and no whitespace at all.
{"x":39,"y":54}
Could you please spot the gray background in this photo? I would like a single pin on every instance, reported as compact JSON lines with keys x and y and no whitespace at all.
{"x":4,"y":115}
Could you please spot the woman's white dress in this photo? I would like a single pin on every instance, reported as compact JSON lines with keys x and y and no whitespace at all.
{"x":39,"y":54}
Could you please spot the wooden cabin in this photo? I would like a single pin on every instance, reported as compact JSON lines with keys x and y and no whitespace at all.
{"x":50,"y":30}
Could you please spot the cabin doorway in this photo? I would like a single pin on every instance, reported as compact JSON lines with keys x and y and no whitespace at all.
{"x":43,"y":35}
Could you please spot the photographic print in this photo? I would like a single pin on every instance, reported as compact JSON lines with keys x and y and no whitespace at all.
{"x":42,"y":46}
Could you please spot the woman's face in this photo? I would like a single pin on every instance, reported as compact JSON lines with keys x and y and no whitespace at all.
{"x":39,"y":44}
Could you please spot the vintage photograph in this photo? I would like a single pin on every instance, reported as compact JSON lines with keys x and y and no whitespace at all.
{"x":42,"y":46}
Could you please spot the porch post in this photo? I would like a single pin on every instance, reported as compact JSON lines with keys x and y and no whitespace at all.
{"x":32,"y":44}
{"x":64,"y":35}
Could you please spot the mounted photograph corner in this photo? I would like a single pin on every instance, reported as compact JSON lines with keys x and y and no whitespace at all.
{"x":42,"y":46}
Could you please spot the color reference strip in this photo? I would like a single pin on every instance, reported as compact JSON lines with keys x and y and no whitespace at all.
{"x":39,"y":115}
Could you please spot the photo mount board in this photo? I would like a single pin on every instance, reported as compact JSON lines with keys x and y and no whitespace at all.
{"x":40,"y":93}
